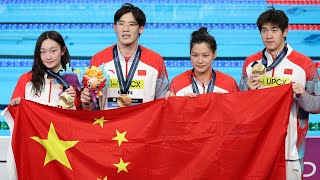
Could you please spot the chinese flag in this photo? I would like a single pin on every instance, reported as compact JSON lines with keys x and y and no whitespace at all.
{"x":214,"y":136}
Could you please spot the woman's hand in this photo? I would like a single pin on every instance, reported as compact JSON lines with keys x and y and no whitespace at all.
{"x":191,"y":94}
{"x":168,"y":94}
{"x":15,"y":101}
{"x":71,"y":91}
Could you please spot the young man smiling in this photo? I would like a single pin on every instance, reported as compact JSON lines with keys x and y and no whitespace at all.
{"x":283,"y":64}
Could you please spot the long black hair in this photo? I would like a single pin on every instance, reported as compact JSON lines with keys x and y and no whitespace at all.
{"x":38,"y":68}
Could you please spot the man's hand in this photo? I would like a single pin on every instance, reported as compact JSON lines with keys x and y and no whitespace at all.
{"x":253,"y":81}
{"x":85,"y":97}
{"x":298,"y":89}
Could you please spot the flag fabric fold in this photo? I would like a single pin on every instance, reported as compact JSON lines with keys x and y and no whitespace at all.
{"x":214,"y":136}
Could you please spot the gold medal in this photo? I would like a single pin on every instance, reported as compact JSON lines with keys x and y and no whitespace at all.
{"x":65,"y":100}
{"x":124,"y":100}
{"x":259,"y":69}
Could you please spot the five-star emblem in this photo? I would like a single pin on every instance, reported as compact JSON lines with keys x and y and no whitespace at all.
{"x":56,"y":148}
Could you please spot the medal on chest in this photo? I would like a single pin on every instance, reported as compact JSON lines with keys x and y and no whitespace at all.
{"x":124,"y":100}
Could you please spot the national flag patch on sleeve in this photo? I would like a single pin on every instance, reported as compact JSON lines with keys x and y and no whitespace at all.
{"x":288,"y":71}
{"x":142,"y":72}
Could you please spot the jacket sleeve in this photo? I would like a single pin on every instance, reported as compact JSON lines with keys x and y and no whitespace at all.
{"x":19,"y":90}
{"x":311,"y":101}
{"x":243,"y":80}
{"x":162,"y":84}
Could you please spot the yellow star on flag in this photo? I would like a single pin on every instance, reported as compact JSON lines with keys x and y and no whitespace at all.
{"x":120,"y":137}
{"x":77,"y":71}
{"x":56,"y":148}
{"x":105,"y":178}
{"x":122,"y":166}
{"x":100,"y":121}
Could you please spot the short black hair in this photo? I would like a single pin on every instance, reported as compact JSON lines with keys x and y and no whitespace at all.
{"x":137,"y":13}
{"x":275,"y":17}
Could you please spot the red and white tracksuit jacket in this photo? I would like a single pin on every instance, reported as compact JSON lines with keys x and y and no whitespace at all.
{"x":49,"y":95}
{"x":296,"y":68}
{"x":149,"y":82}
{"x":182,"y":84}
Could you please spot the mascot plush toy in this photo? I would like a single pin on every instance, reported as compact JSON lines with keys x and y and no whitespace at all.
{"x":95,"y":80}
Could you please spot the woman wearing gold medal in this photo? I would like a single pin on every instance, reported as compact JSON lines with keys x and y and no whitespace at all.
{"x":202,"y":78}
{"x":40,"y":84}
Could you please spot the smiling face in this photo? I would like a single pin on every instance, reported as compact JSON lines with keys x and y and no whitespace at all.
{"x":201,"y":59}
{"x":273,"y":38}
{"x":50,"y":54}
{"x":128,"y":30}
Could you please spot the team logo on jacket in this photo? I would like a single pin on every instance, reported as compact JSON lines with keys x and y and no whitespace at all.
{"x":111,"y":71}
{"x":273,"y":81}
{"x":135,"y":84}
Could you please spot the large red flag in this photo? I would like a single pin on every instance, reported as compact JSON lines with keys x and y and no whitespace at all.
{"x":215,"y":136}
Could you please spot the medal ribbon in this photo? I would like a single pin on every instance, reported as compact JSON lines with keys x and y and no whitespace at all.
{"x":125,"y":84}
{"x":59,"y":78}
{"x":278,"y":59}
{"x":210,"y":86}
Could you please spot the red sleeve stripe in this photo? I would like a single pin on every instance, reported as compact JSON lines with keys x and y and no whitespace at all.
{"x":311,"y":2}
{"x":304,"y":27}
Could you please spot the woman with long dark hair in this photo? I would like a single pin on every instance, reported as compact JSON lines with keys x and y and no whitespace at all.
{"x":42,"y":83}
